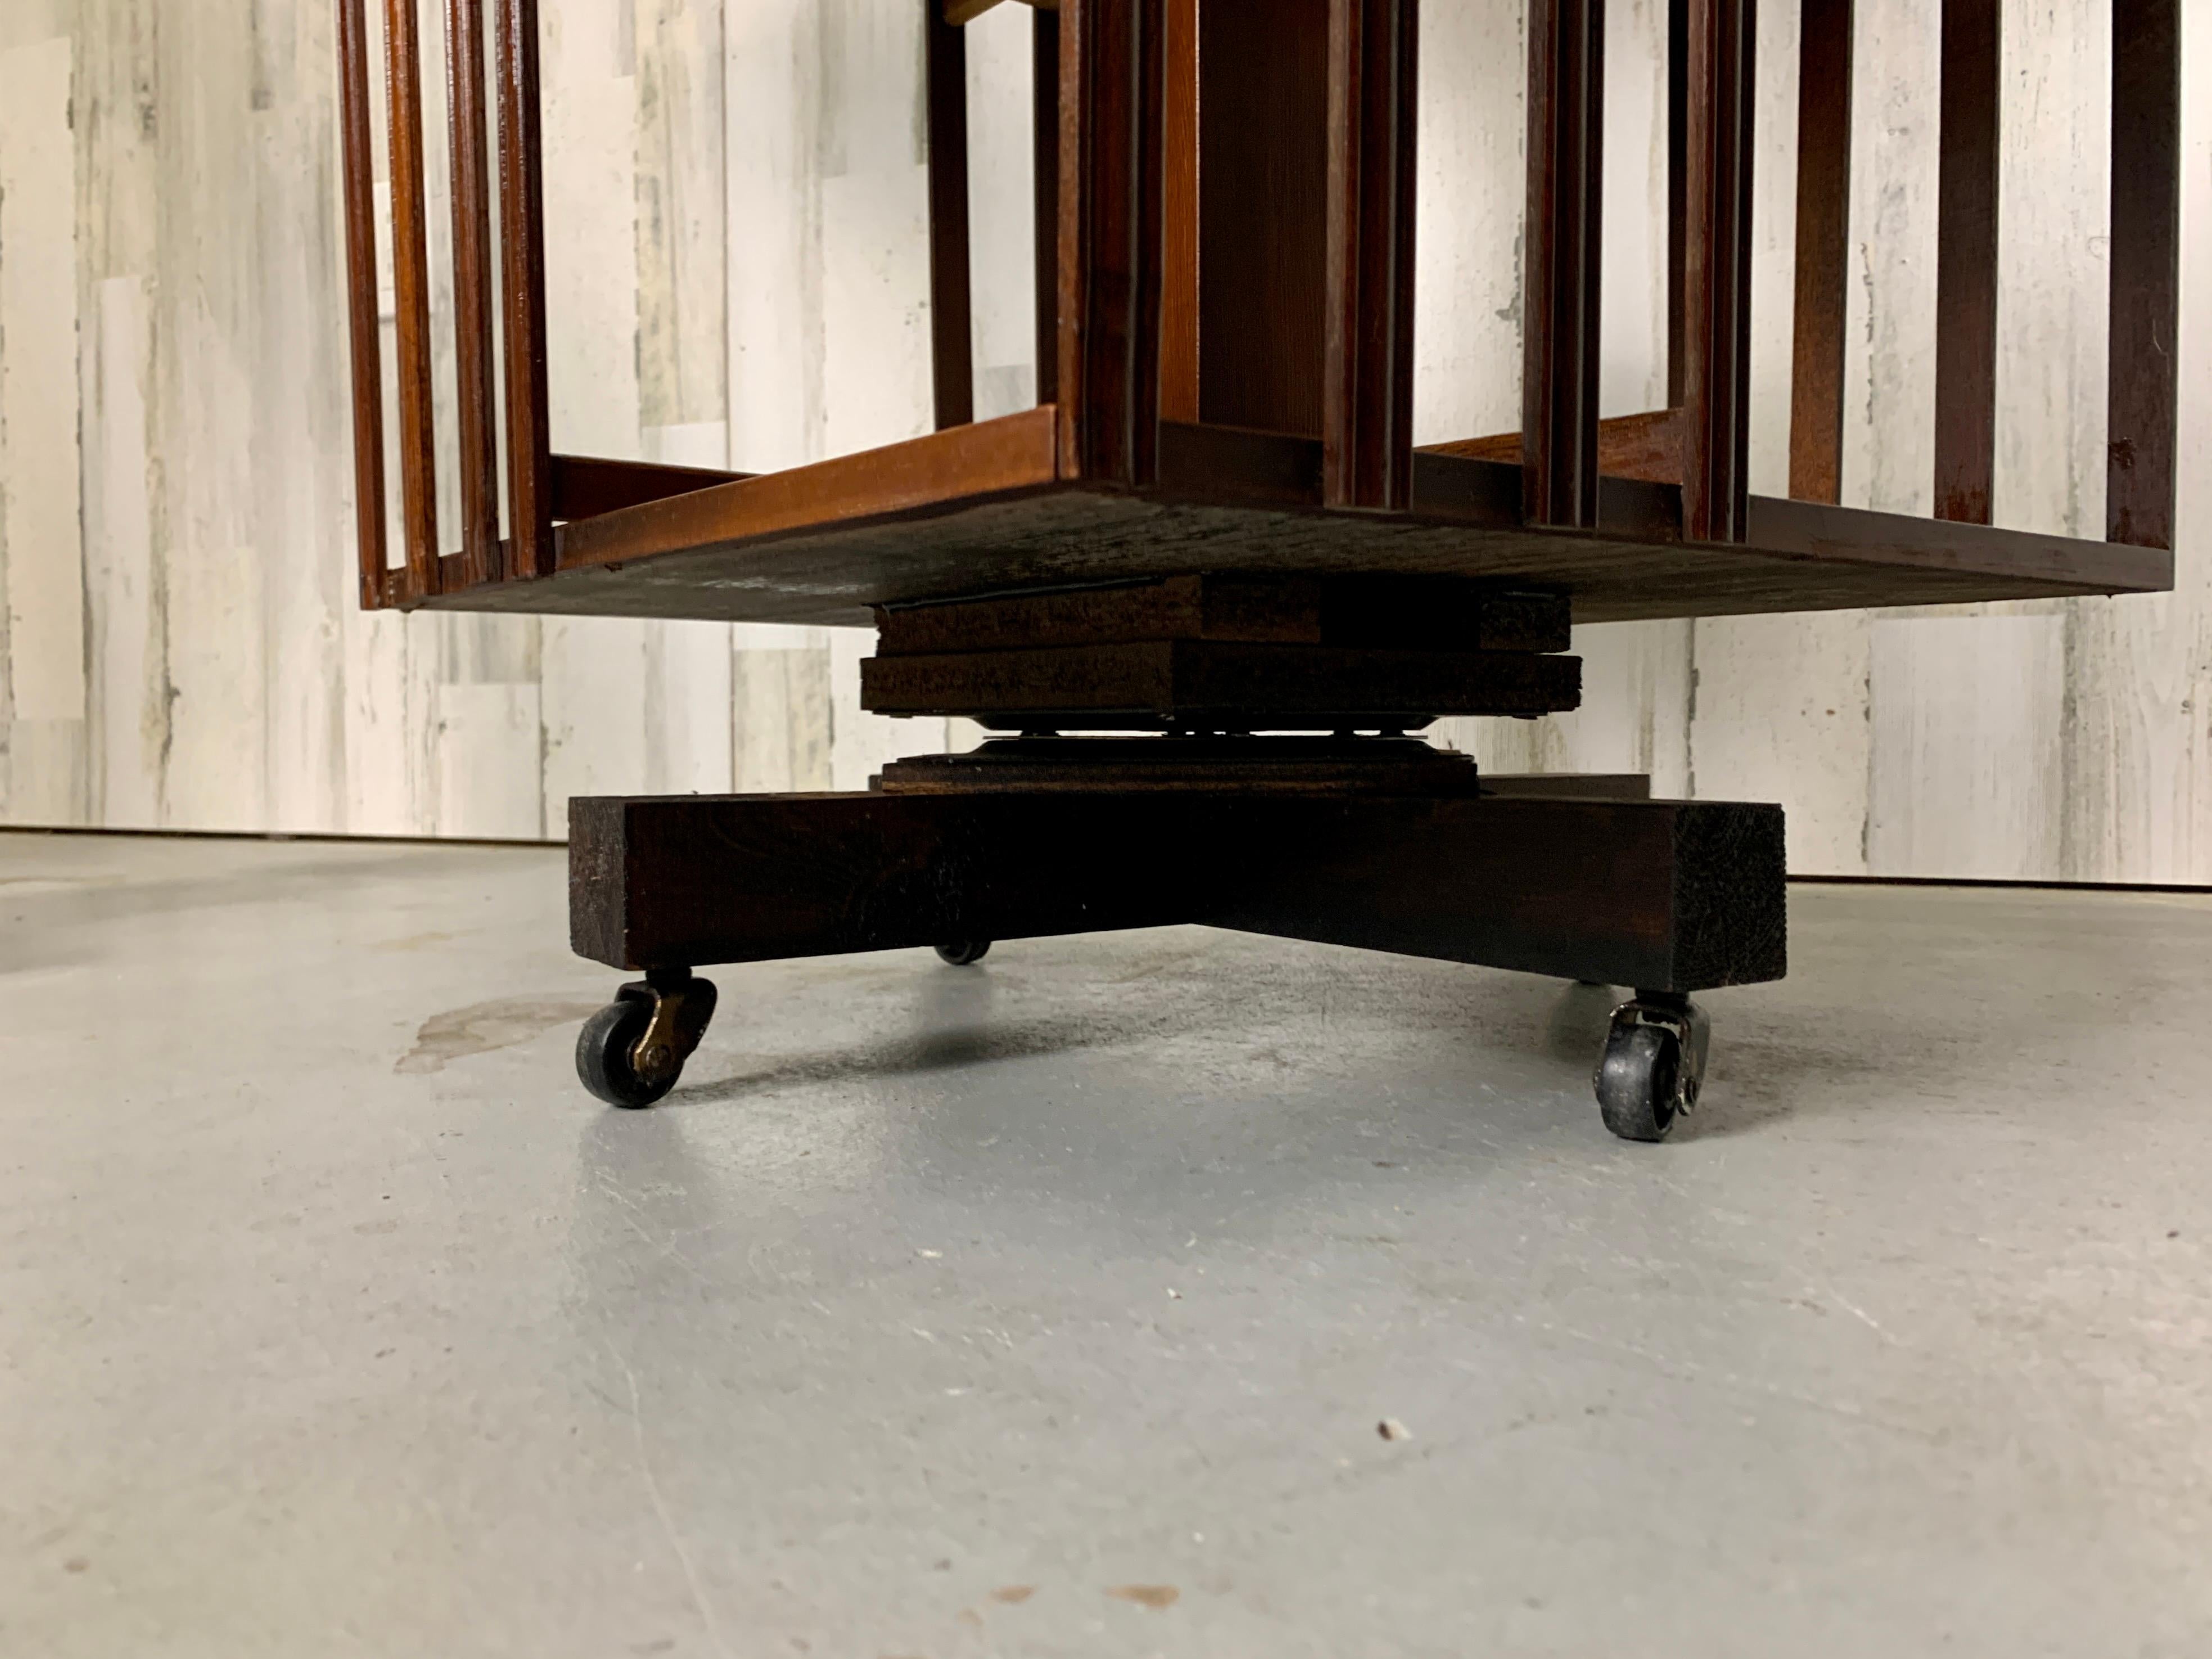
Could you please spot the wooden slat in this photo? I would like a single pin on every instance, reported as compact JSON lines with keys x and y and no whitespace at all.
{"x":1263,"y":190}
{"x":586,"y":486}
{"x":2140,"y":429}
{"x":967,"y":11}
{"x":530,"y":545}
{"x":472,"y":312}
{"x":1648,"y":447}
{"x":1966,"y":263}
{"x":951,"y":303}
{"x":1179,"y":206}
{"x":1678,"y":187}
{"x":411,"y":271}
{"x":1112,"y":75}
{"x":1824,"y":201}
{"x":1367,"y":402}
{"x":364,"y":326}
{"x":1717,"y":270}
{"x":984,"y":458}
{"x":1044,"y":192}
{"x":1566,"y":146}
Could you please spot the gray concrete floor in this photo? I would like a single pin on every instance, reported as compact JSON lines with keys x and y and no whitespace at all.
{"x":1050,"y":1308}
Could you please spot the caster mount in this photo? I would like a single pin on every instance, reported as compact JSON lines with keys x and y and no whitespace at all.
{"x":1653,"y":1064}
{"x":631,"y":1053}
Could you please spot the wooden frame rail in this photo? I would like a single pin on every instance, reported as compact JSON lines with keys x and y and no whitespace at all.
{"x":1224,"y":266}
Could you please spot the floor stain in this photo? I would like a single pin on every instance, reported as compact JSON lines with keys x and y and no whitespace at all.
{"x":1147,"y":1596}
{"x":412,"y":942}
{"x":484,"y":1026}
{"x":1011,"y":1593}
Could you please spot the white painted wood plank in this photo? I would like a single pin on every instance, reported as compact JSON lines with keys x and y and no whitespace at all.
{"x":1779,"y":711}
{"x":128,"y":704}
{"x":1966,"y":780}
{"x":772,"y":103}
{"x":41,"y":525}
{"x":1467,"y":288}
{"x":1889,"y":375}
{"x":1002,"y":210}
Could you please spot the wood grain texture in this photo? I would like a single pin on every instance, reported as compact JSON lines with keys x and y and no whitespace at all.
{"x":232,"y":683}
{"x":1563,"y":237}
{"x":1367,"y":334}
{"x":1967,"y":263}
{"x":1823,"y":250}
{"x":2146,"y":251}
{"x":1668,"y":894}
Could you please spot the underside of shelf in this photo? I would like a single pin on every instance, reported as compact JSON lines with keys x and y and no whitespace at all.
{"x":983,"y":509}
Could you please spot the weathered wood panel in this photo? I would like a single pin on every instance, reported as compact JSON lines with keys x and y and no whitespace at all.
{"x":741,"y":235}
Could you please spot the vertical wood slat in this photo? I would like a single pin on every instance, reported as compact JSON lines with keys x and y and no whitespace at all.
{"x":1110,"y":225}
{"x":1044,"y":194}
{"x":2146,"y":272}
{"x":418,"y":482}
{"x":1263,"y":194}
{"x":952,"y":296}
{"x":1181,"y":258}
{"x":364,"y":325}
{"x":1367,"y":396}
{"x":522,"y":250}
{"x":1966,"y":263}
{"x":1823,"y":252}
{"x":1717,"y":270}
{"x":472,"y":314}
{"x":1678,"y":198}
{"x":1561,"y":294}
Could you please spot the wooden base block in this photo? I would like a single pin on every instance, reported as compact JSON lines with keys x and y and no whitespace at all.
{"x":1219,"y":685}
{"x":1672,"y":895}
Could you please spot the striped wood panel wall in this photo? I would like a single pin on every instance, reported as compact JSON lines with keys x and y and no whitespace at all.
{"x":738,"y":277}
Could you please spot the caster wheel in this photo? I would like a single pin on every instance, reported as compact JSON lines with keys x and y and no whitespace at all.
{"x":966,"y":953}
{"x":631,"y":1053}
{"x":1653,"y":1064}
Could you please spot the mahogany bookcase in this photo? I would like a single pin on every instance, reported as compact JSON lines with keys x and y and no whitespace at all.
{"x":1214,"y":534}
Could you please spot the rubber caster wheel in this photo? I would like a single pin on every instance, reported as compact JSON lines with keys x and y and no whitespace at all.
{"x":1653,"y":1064}
{"x":631,"y":1053}
{"x":965,"y":953}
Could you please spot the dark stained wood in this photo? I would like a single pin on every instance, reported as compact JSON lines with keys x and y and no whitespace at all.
{"x":1367,"y":402}
{"x":1111,"y":181}
{"x":1262,"y":227}
{"x":1336,"y":764}
{"x":951,"y":302}
{"x":410,"y":277}
{"x":1678,"y":896}
{"x":1179,"y":256}
{"x":1044,"y":193}
{"x":1717,"y":270}
{"x":980,"y":509}
{"x":1562,"y":259}
{"x":1569,"y":786}
{"x":584,"y":486}
{"x":1231,"y":464}
{"x":1605,"y":892}
{"x":1218,"y":684}
{"x":530,"y":544}
{"x":984,"y":458}
{"x":1823,"y":234}
{"x":473,"y":330}
{"x":1427,"y":613}
{"x":1678,"y":194}
{"x":2140,"y":429}
{"x":364,"y":328}
{"x":1648,"y":447}
{"x":1966,"y":263}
